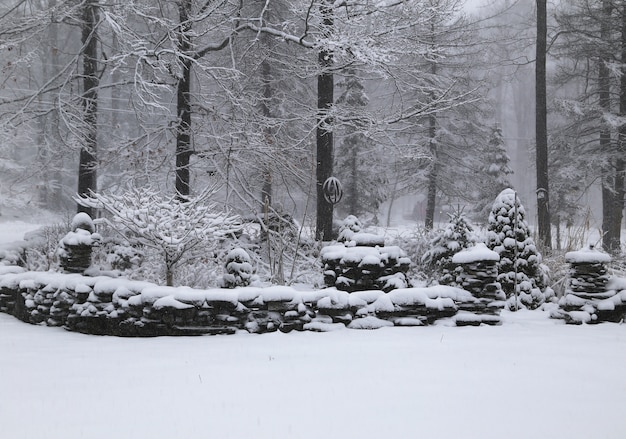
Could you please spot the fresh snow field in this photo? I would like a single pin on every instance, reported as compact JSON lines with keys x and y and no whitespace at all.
{"x":529,"y":378}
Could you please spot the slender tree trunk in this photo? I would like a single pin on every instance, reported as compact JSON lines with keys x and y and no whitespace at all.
{"x":183,"y":104}
{"x":620,"y":168}
{"x":353,"y":187}
{"x":325,"y":100}
{"x":608,"y":194}
{"x":87,"y":176}
{"x":266,"y":77}
{"x":431,"y":197}
{"x":541,"y":129}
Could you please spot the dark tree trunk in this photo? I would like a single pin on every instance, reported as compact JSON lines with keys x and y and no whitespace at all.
{"x":618,"y":207}
{"x":88,"y":154}
{"x":541,"y":129}
{"x":325,"y":100}
{"x":431,"y":197}
{"x":608,"y":181}
{"x":266,"y":76}
{"x":183,"y":103}
{"x":353,"y":184}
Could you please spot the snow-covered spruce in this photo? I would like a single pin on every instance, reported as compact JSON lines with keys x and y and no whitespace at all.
{"x":456,"y":236}
{"x":239,"y":270}
{"x":509,"y":236}
{"x":75,"y":247}
{"x":350,"y":225}
{"x":494,"y":174}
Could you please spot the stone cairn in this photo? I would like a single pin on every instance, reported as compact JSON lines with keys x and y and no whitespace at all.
{"x":588,"y":272}
{"x":587,"y":298}
{"x":477,"y":272}
{"x":75,"y":248}
{"x":364,"y":263}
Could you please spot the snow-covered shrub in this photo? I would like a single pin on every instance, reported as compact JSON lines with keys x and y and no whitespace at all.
{"x":456,"y":236}
{"x":124,"y":257}
{"x":239,"y":270}
{"x":348,"y":228}
{"x":75,"y":247}
{"x":509,"y":236}
{"x":176,"y":229}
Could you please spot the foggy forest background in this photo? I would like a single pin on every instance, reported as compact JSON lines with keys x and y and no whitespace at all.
{"x":417,"y":107}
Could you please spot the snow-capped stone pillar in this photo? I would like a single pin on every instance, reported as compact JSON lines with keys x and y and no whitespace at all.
{"x":75,"y":248}
{"x":588,"y":272}
{"x":478,"y":272}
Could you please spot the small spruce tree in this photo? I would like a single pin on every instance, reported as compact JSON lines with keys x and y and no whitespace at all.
{"x":239,"y":270}
{"x":508,"y":229}
{"x":456,"y":236}
{"x":495,"y":171}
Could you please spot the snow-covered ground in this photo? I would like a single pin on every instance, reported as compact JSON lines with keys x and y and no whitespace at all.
{"x":529,"y":378}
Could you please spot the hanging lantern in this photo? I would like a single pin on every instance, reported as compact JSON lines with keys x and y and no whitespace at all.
{"x":333,"y":191}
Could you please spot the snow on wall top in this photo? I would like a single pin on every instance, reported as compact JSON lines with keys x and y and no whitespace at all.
{"x":126,"y":292}
{"x":587,"y":255}
{"x":479,"y":252}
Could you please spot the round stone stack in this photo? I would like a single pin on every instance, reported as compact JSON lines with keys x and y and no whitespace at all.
{"x":477,"y":271}
{"x":75,"y":248}
{"x":365,"y":263}
{"x":588,"y":272}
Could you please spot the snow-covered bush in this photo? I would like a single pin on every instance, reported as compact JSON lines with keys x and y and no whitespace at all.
{"x":124,"y":257}
{"x":239,"y":270}
{"x":456,"y":236}
{"x":509,"y":236}
{"x":176,"y":229}
{"x":350,"y":225}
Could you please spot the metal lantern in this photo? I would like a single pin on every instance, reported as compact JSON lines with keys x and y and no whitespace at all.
{"x":333,"y":191}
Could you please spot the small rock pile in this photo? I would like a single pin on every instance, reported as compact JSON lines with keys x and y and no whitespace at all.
{"x":362,"y":264}
{"x":590,"y":297}
{"x":75,"y":248}
{"x":477,"y":272}
{"x":588,"y":272}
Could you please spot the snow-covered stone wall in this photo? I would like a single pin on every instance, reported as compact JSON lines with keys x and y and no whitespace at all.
{"x":116,"y":306}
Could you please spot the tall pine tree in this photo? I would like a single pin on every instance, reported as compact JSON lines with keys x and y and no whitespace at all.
{"x":493,"y":174}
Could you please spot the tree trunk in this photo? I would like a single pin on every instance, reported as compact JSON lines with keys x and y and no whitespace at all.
{"x":183,"y":104}
{"x":353,"y":184}
{"x":88,"y":154}
{"x":620,"y":169}
{"x":608,"y":182}
{"x":432,"y":175}
{"x":266,"y":76}
{"x":541,"y":129}
{"x":325,"y":100}
{"x":431,"y":196}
